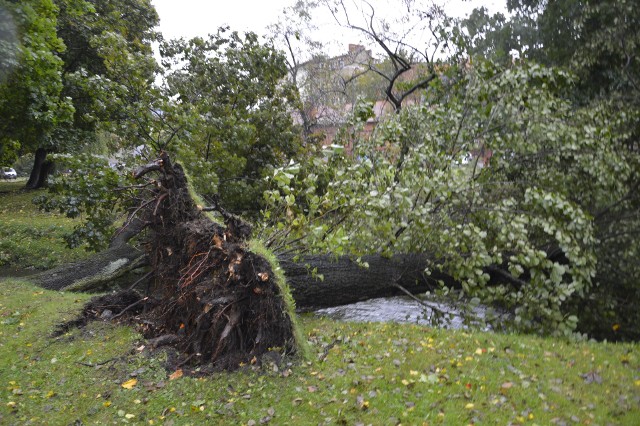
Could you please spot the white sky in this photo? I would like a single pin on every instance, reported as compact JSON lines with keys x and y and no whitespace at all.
{"x":190,"y":18}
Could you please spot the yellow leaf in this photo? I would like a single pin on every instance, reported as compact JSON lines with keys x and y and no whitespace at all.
{"x":637,"y":382}
{"x":175,"y":375}
{"x":107,"y":403}
{"x":469,"y":406}
{"x":50,"y":394}
{"x":129,"y":384}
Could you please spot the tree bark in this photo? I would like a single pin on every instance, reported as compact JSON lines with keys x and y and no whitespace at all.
{"x":343,"y":282}
{"x":41,"y":170}
{"x":94,"y":274}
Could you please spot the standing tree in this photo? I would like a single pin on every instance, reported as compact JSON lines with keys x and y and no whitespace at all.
{"x":410,"y":58}
{"x":84,"y":66}
{"x":32,"y":107}
{"x":293,"y":35}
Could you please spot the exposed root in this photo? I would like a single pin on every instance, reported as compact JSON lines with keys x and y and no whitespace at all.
{"x":218,"y":303}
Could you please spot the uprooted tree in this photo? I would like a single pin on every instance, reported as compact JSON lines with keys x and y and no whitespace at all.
{"x":534,"y":232}
{"x":210,"y":297}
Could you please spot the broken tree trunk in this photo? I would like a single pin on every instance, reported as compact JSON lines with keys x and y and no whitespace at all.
{"x":99,"y":272}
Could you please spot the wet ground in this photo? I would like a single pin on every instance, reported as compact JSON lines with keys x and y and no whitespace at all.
{"x":401,"y":309}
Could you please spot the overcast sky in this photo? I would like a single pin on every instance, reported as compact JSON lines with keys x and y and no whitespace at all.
{"x":189,"y":18}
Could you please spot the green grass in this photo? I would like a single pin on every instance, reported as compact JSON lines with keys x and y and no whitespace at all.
{"x":30,"y":239}
{"x":369,"y":373}
{"x":354,"y":373}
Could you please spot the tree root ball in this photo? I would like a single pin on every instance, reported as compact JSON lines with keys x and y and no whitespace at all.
{"x":222,"y":302}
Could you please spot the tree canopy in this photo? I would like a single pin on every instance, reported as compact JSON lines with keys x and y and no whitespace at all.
{"x":82,"y":66}
{"x":232,"y":109}
{"x":514,"y":169}
{"x":32,"y":106}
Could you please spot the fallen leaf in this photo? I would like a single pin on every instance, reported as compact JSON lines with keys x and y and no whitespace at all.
{"x":507,"y":385}
{"x":362,"y":403}
{"x":176,"y":375}
{"x":265,"y":420}
{"x":129,"y":384}
{"x":591,"y":377}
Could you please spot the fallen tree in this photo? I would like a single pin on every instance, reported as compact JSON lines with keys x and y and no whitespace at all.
{"x":343,"y":280}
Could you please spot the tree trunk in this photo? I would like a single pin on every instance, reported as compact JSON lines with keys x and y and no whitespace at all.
{"x":97,"y":273}
{"x":343,"y":280}
{"x":41,"y":170}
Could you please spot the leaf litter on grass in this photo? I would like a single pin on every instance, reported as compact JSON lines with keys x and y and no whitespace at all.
{"x":358,"y":373}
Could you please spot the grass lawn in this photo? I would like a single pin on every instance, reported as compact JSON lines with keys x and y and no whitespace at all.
{"x":30,"y":239}
{"x":379,"y":374}
{"x":357,"y":373}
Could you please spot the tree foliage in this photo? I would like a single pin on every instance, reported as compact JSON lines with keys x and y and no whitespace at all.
{"x":231,"y":113}
{"x":518,"y":233}
{"x":82,"y":67}
{"x":32,"y":107}
{"x":598,"y":42}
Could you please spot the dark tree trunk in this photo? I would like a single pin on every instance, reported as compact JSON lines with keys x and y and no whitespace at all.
{"x":344,"y":281}
{"x":41,"y":170}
